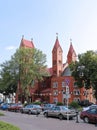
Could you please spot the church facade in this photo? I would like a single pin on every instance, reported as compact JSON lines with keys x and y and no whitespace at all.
{"x":60,"y":86}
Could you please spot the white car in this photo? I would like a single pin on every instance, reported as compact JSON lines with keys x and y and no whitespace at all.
{"x":60,"y":112}
{"x":89,"y":107}
{"x":31,"y":109}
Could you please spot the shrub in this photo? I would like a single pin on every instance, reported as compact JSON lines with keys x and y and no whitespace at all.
{"x":74,"y":105}
{"x":37,"y":103}
{"x":59,"y":103}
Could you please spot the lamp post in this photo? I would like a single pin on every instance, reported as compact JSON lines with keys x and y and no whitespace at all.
{"x":77,"y":116}
{"x":67,"y":97}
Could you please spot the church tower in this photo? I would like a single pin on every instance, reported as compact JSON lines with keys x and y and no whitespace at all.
{"x":57,"y":58}
{"x":26,"y":43}
{"x":71,"y":56}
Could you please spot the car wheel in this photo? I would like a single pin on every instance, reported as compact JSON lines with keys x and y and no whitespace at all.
{"x":46,"y":114}
{"x":60,"y":116}
{"x":21,"y":111}
{"x":86,"y":119}
{"x":29,"y":112}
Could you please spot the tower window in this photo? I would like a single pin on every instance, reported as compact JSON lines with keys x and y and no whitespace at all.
{"x":54,"y":62}
{"x":60,"y":62}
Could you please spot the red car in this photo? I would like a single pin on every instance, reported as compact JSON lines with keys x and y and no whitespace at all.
{"x":15,"y":107}
{"x":89,"y":116}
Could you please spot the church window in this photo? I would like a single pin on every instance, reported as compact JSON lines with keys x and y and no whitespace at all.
{"x":63,"y":84}
{"x":60,"y":62}
{"x":75,"y":85}
{"x":54,"y":62}
{"x":76,"y":92}
{"x":55,"y":85}
{"x":55,"y":92}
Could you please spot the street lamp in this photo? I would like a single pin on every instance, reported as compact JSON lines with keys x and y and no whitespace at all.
{"x":77,"y":113}
{"x":67,"y":96}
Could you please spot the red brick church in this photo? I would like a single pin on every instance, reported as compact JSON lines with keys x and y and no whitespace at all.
{"x":60,"y":85}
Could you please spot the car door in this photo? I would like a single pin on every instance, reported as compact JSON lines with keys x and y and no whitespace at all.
{"x":54,"y":111}
{"x":51,"y":112}
{"x":92,"y":115}
{"x":57,"y":111}
{"x":26,"y":109}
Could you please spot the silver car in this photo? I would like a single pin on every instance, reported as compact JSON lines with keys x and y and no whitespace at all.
{"x":31,"y":109}
{"x":60,"y":112}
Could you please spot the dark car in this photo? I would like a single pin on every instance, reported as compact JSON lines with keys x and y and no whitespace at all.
{"x":60,"y":112}
{"x":4,"y":106}
{"x":85,"y":103}
{"x":89,"y":116}
{"x":15,"y":107}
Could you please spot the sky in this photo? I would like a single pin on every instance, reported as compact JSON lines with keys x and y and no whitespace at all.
{"x":42,"y":19}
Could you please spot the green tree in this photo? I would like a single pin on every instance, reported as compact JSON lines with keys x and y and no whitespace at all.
{"x":8,"y":77}
{"x":84,"y":70}
{"x":26,"y":66}
{"x":31,"y":65}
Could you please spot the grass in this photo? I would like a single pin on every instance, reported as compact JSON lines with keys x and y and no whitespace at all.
{"x":1,"y":114}
{"x":7,"y":126}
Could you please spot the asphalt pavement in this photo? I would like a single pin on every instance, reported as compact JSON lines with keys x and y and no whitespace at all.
{"x":32,"y":122}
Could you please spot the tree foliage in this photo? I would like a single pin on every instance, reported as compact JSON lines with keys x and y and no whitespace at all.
{"x":26,"y":65}
{"x":31,"y":65}
{"x":85,"y":70}
{"x":8,"y":77}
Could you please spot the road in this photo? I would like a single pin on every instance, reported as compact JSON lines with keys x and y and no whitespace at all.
{"x":32,"y":122}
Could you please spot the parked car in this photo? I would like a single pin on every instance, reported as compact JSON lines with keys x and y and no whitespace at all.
{"x":89,"y":116}
{"x":48,"y":106}
{"x":4,"y":106}
{"x":60,"y":112}
{"x":31,"y":109}
{"x":85,"y":103}
{"x":89,"y":107}
{"x":15,"y":107}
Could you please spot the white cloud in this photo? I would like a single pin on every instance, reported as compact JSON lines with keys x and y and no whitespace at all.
{"x":10,"y":48}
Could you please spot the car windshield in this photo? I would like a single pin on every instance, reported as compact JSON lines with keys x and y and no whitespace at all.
{"x":13,"y":104}
{"x":64,"y":108}
{"x":49,"y":105}
{"x":37,"y":106}
{"x":28,"y":106}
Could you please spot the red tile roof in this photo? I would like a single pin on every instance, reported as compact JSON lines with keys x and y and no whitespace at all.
{"x":57,"y":44}
{"x":26,"y":43}
{"x":71,"y":50}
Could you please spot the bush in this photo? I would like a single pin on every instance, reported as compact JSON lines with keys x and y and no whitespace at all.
{"x":59,"y":104}
{"x":37,"y":103}
{"x":74,"y":105}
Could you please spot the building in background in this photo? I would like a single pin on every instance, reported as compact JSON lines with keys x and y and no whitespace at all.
{"x":60,"y":85}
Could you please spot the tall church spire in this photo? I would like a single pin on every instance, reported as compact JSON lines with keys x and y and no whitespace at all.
{"x":57,"y":58}
{"x":71,"y":56}
{"x":57,"y":44}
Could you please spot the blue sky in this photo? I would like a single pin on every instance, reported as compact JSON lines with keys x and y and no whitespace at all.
{"x":42,"y":19}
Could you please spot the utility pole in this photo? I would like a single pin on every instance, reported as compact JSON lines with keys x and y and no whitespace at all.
{"x":67,"y":98}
